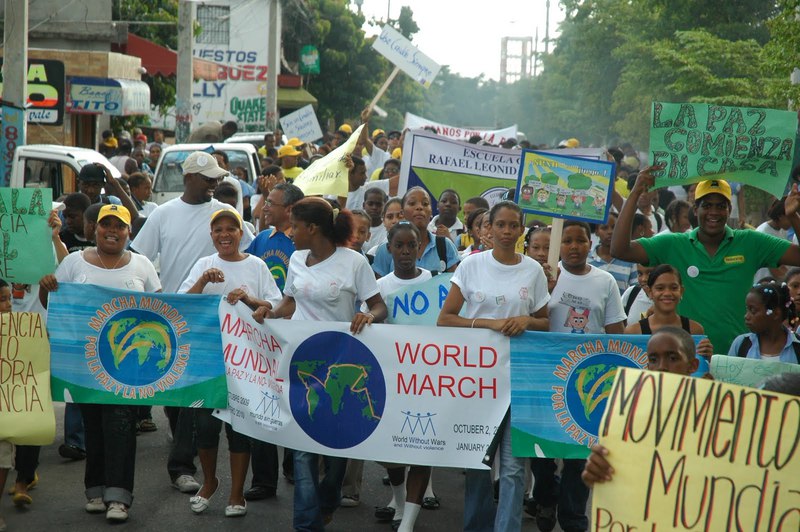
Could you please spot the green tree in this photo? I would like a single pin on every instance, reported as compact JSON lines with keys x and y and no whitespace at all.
{"x":781,"y":55}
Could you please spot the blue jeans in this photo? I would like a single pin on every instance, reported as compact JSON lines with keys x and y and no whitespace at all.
{"x":312,"y":498}
{"x":512,"y":486}
{"x":73,"y":426}
{"x":571,"y":496}
{"x":183,"y":451}
{"x":479,"y":507}
{"x":110,"y":452}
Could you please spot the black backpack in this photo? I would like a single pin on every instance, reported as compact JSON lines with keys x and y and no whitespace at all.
{"x":747,"y":343}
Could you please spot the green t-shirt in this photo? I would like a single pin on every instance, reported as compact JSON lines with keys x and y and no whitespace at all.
{"x":716,"y":286}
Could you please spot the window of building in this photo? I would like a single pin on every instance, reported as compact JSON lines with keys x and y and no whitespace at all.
{"x":215,"y":22}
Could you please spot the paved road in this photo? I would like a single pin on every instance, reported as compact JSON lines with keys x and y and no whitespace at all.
{"x":58,"y":500}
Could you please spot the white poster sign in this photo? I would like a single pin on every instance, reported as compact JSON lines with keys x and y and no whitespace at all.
{"x":492,"y":136}
{"x":405,"y":56}
{"x":394,"y":393}
{"x":302,"y":124}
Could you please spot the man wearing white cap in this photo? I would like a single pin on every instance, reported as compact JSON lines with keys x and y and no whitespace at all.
{"x":177,"y":232}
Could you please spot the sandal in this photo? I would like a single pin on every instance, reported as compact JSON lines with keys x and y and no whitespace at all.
{"x":22,"y":499}
{"x":384,"y":513}
{"x":13,"y":489}
{"x":431,"y":503}
{"x":147,"y":425}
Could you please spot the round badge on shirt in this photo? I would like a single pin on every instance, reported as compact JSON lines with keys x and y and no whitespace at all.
{"x":333,"y":290}
{"x":692,"y":271}
{"x":480,"y":297}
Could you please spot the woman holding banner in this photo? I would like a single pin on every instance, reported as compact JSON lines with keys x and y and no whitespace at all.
{"x":324,"y":281}
{"x":507,"y":292}
{"x":110,"y":429}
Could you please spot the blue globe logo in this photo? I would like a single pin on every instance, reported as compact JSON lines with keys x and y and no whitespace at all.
{"x":589,"y":386}
{"x":136,"y":347}
{"x":337,"y":400}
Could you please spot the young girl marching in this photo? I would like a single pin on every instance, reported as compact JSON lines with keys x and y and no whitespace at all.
{"x":767,"y":307}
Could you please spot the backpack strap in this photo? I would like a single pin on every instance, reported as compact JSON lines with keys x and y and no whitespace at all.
{"x":796,"y":347}
{"x":631,"y":299}
{"x":659,"y":221}
{"x":744,"y":347}
{"x":441,"y":250}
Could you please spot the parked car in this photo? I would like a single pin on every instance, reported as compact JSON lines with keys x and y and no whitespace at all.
{"x":53,"y":166}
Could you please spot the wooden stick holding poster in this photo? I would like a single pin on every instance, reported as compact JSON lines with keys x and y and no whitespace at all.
{"x":701,"y":141}
{"x":730,"y":465}
{"x":384,"y":87}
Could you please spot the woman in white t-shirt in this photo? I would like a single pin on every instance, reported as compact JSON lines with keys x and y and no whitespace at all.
{"x":507,"y":292}
{"x":585,"y":300}
{"x":239,"y":277}
{"x":110,"y":429}
{"x":324,"y":281}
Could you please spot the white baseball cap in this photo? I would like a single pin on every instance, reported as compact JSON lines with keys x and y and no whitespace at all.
{"x":203,"y":163}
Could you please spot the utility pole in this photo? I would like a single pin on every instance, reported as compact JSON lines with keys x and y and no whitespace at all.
{"x":15,"y":75}
{"x":547,"y":29}
{"x":185,"y":74}
{"x":273,"y":63}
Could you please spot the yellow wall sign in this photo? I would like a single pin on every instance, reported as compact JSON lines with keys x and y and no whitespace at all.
{"x":694,"y":454}
{"x":26,"y":409}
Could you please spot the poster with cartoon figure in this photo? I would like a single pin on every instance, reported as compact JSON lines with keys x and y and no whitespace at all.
{"x":564,"y":186}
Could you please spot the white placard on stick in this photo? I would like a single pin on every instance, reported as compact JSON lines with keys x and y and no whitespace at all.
{"x":302,"y":124}
{"x":407,"y":57}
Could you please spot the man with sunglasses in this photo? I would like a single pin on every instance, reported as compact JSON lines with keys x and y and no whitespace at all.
{"x":177,"y":234}
{"x":716,"y":263}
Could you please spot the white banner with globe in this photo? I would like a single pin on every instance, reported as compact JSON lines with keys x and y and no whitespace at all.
{"x":393,"y":393}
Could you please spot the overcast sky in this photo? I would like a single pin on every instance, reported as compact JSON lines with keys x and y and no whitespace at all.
{"x":465,"y":34}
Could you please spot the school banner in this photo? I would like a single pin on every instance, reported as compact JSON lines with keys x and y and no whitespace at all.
{"x":26,"y":410}
{"x":565,"y":187}
{"x":492,"y":136}
{"x":26,"y":246}
{"x":302,"y":124}
{"x":396,"y":48}
{"x":394,"y":393}
{"x":698,"y":141}
{"x":695,"y":454}
{"x":746,"y":371}
{"x":419,"y":304}
{"x":329,"y":175}
{"x":113,"y":346}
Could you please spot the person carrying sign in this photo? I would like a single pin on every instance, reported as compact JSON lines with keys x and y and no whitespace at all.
{"x":718,"y":262}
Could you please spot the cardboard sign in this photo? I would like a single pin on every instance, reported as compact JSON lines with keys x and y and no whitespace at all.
{"x":702,"y":141}
{"x":329,"y":175}
{"x":694,"y":454}
{"x":302,"y":124}
{"x":26,"y":409}
{"x":746,"y":371}
{"x":26,"y":246}
{"x":561,"y":186}
{"x":404,"y":55}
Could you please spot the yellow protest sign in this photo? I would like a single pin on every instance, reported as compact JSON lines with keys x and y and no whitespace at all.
{"x":329,"y":175}
{"x":26,"y":409}
{"x":694,"y":454}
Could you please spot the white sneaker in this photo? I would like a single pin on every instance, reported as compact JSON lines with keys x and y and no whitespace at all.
{"x":186,"y":484}
{"x":95,"y":505}
{"x":117,"y":512}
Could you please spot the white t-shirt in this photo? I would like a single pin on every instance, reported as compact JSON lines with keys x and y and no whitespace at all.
{"x":390,"y":283}
{"x":29,"y":302}
{"x":377,"y":236}
{"x":495,"y":290}
{"x":768,"y":229}
{"x":138,"y":275}
{"x":355,"y":199}
{"x":147,"y":208}
{"x":585,"y":304}
{"x":251,"y":275}
{"x":640,"y":305}
{"x":456,"y":229}
{"x":376,"y":160}
{"x":328,"y":290}
{"x":181,"y":234}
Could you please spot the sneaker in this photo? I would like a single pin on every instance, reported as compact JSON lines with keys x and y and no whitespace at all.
{"x":116,"y":512}
{"x":95,"y":505}
{"x":186,"y":484}
{"x":350,"y":501}
{"x":71,"y":452}
{"x":546,"y":518}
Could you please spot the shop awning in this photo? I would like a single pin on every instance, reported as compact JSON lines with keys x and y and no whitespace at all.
{"x":160,"y":60}
{"x":295,"y":98}
{"x":116,"y":97}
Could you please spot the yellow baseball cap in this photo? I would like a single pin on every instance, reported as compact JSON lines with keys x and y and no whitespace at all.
{"x":230,"y":213}
{"x":288,"y":151}
{"x":397,"y":153}
{"x":346,"y":128}
{"x":712,"y":186}
{"x":378,"y":132}
{"x":294,"y":141}
{"x":117,"y":211}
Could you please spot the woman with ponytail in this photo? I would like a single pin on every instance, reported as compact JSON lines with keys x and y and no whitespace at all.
{"x":324,"y":282}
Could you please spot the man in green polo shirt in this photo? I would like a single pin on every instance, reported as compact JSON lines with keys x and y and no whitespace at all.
{"x":716,"y":263}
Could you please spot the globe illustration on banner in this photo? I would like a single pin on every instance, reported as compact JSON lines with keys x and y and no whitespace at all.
{"x":589,"y":386}
{"x":136,"y":347}
{"x":336,"y":389}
